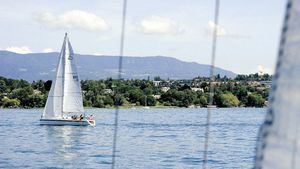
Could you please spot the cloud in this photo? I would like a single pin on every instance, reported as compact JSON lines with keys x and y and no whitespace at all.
{"x":22,"y":69}
{"x":74,"y":19}
{"x":47,"y":50}
{"x":221,"y":31}
{"x":43,"y":73}
{"x":20,"y":50}
{"x":262,"y":70}
{"x":158,"y":25}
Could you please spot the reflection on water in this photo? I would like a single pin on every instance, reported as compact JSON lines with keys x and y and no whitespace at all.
{"x":63,"y":139}
{"x":148,"y":138}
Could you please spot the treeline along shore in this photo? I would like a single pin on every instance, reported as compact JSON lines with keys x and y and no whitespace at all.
{"x":242,"y":91}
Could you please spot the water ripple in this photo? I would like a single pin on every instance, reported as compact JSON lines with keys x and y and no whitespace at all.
{"x":152,"y":138}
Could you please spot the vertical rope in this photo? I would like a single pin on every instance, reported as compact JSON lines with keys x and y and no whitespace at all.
{"x":212,"y":79}
{"x":119,"y":78}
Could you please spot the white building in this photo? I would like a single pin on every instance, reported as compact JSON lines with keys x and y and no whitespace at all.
{"x":195,"y":89}
{"x":165,"y":89}
{"x":156,"y":83}
{"x":108,"y":91}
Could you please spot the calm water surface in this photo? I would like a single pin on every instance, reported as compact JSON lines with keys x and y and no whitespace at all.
{"x":148,"y":138}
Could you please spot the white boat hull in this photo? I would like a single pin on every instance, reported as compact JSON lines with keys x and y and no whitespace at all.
{"x":61,"y":122}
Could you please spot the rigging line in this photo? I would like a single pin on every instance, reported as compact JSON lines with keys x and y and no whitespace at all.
{"x":119,"y":78}
{"x":212,"y":79}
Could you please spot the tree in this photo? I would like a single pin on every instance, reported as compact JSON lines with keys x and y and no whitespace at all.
{"x":201,"y":101}
{"x":143,"y":100}
{"x":108,"y":100}
{"x":226,"y":100}
{"x":36,"y":100}
{"x":119,"y":100}
{"x":148,"y":91}
{"x":151,"y":101}
{"x":6,"y":102}
{"x":184,"y":87}
{"x":157,"y":78}
{"x":241,"y":92}
{"x":99,"y":102}
{"x":20,"y":84}
{"x":39,"y":85}
{"x":3,"y":87}
{"x":255,"y":100}
{"x":188,"y":98}
{"x":135,"y":95}
{"x":47,"y":85}
{"x":23,"y":94}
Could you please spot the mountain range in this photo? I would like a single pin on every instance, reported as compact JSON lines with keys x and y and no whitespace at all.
{"x":35,"y":66}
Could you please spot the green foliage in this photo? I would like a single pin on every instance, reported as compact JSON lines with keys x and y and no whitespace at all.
{"x":179,"y":98}
{"x":151,"y":101}
{"x":119,"y":100}
{"x":108,"y":100}
{"x":3,"y":87}
{"x":134,"y":95}
{"x":39,"y":85}
{"x":157,"y":78}
{"x":255,"y":100}
{"x":99,"y":102}
{"x":254,"y":77}
{"x":6,"y":102}
{"x":227,"y":100}
{"x":201,"y":101}
{"x":47,"y":85}
{"x":36,"y":100}
{"x":241,"y":91}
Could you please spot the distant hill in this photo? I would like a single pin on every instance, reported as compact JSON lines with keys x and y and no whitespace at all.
{"x":36,"y":66}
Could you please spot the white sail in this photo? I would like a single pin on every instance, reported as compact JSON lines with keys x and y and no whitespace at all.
{"x":72,"y":100}
{"x":279,"y":139}
{"x":65,"y":95}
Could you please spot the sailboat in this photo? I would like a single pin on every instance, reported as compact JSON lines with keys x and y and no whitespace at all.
{"x":279,"y":140}
{"x":64,"y":104}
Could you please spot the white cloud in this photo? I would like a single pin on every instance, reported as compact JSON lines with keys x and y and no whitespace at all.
{"x":220,"y":30}
{"x":21,"y":50}
{"x":74,"y":19}
{"x":43,"y":73}
{"x":158,"y":25}
{"x":22,"y":69}
{"x":262,"y":70}
{"x":47,"y":50}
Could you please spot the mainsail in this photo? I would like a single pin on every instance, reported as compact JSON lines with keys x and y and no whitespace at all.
{"x":279,"y":139}
{"x":65,"y":95}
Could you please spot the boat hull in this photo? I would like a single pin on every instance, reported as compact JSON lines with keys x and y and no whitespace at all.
{"x":62,"y":122}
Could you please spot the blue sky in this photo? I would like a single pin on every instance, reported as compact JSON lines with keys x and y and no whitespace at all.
{"x":249,"y":30}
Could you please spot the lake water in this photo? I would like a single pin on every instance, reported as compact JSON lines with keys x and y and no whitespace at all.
{"x":147,"y":138}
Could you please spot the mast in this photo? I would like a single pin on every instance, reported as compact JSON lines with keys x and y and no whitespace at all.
{"x":63,"y":75}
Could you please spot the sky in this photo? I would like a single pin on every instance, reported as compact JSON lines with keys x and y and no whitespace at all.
{"x":248,"y":30}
